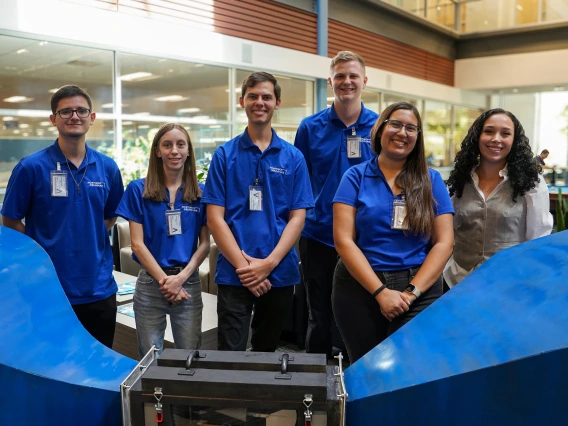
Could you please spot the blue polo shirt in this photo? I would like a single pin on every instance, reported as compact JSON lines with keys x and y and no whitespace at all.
{"x":167,"y":250}
{"x":71,"y":229}
{"x":365,"y":188}
{"x":322,"y":138}
{"x":282,"y":173}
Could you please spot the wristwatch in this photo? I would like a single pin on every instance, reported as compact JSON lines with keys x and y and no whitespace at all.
{"x":411,"y":288}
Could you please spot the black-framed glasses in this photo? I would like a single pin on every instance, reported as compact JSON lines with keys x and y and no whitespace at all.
{"x":411,"y":129}
{"x":68,"y":112}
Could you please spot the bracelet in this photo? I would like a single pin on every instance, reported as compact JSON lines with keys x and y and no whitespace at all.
{"x":377,"y":291}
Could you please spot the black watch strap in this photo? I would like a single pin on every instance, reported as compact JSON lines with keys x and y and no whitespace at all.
{"x":377,"y":291}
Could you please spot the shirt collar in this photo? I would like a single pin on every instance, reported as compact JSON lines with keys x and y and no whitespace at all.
{"x":246,"y":142}
{"x":363,"y":116}
{"x":373,"y":169}
{"x":504,"y":173}
{"x":57,"y":155}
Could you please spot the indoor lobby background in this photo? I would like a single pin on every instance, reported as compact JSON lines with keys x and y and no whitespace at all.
{"x":148,"y":62}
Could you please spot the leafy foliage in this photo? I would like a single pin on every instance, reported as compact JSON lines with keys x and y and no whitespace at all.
{"x":561,"y":212}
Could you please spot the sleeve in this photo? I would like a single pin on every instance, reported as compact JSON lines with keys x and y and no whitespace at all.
{"x":302,"y":197}
{"x":215,"y":189}
{"x":301,"y":142}
{"x":348,"y":190}
{"x":539,"y":219}
{"x":130,"y":207}
{"x":18,"y":197}
{"x":442,"y":201}
{"x":115,"y":194}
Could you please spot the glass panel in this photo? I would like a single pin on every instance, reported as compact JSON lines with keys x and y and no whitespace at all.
{"x":488,"y":15}
{"x":526,"y":12}
{"x":137,"y":137}
{"x":297,"y":99}
{"x":553,"y":10}
{"x":389,"y":98}
{"x":22,"y":136}
{"x":152,"y":86}
{"x":464,"y":118}
{"x":437,"y":131}
{"x":441,"y":12}
{"x":413,"y":6}
{"x":33,"y":69}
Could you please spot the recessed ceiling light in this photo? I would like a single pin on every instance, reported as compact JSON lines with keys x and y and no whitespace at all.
{"x":188,"y":110}
{"x":43,"y":43}
{"x":45,"y":123}
{"x":171,"y":98}
{"x":199,"y":65}
{"x":144,"y":126}
{"x":24,"y":126}
{"x":17,"y":99}
{"x":215,"y":126}
{"x":136,"y":76}
{"x":17,"y":132}
{"x":558,"y":88}
{"x":53,"y":90}
{"x":11,"y":68}
{"x":331,"y":99}
{"x":126,"y":123}
{"x":26,"y":134}
{"x":19,"y":52}
{"x":201,"y":117}
{"x":8,"y":118}
{"x":515,"y":90}
{"x":519,"y":8}
{"x":52,"y":129}
{"x":111,"y":105}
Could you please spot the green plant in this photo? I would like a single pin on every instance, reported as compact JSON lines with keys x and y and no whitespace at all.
{"x":561,"y":212}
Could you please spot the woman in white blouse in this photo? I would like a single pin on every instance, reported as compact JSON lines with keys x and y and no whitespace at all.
{"x":500,"y":198}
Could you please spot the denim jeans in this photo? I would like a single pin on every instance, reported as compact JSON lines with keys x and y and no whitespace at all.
{"x":151,"y":308}
{"x":358,"y":314}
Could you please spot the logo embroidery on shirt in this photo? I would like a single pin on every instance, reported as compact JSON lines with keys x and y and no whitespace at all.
{"x":97,"y":184}
{"x":191,"y":209}
{"x":366,"y":140}
{"x":278,"y":170}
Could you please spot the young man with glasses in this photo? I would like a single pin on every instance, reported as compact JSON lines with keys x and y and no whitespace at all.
{"x":332,"y":141}
{"x":67,"y":194}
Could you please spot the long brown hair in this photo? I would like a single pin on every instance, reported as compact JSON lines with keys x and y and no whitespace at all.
{"x":155,"y":188}
{"x":414,"y":178}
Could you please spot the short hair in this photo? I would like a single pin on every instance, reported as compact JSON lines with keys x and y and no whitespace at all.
{"x":346,"y":56}
{"x":69,"y":91}
{"x":259,"y":77}
{"x":545,"y":151}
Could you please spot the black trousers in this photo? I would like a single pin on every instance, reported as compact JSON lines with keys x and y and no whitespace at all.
{"x":235,"y":306}
{"x":318,"y":266}
{"x":358,"y":314}
{"x":99,"y":319}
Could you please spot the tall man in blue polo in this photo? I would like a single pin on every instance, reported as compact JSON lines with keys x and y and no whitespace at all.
{"x":332,"y":141}
{"x":67,"y":194}
{"x":257,"y":193}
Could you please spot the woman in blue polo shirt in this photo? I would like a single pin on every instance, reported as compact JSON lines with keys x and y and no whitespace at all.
{"x":392,"y":227}
{"x":170,"y":240}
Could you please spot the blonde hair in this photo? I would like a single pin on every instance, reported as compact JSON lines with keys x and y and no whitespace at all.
{"x":346,"y":56}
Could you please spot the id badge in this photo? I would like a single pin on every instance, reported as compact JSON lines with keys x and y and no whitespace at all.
{"x":353,"y":146}
{"x":59,"y":183}
{"x":173,"y":219}
{"x":255,"y":198}
{"x":399,"y":214}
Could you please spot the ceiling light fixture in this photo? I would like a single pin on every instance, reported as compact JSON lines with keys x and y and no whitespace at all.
{"x":188,"y":110}
{"x":19,"y":52}
{"x":17,"y":99}
{"x":171,"y":98}
{"x":136,"y":76}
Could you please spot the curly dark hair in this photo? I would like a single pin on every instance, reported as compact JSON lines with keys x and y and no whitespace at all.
{"x":522,"y":168}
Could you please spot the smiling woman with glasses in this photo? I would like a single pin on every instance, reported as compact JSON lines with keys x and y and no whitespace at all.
{"x":392,"y":227}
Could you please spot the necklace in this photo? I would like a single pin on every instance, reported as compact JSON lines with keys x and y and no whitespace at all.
{"x":78,"y":185}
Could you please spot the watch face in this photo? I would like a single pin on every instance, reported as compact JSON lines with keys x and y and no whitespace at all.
{"x":410,"y":288}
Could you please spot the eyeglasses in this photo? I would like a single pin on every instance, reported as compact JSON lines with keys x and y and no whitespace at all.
{"x":68,"y":113}
{"x":411,"y":129}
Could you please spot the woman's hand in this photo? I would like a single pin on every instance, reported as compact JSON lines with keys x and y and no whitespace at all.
{"x":393,"y":303}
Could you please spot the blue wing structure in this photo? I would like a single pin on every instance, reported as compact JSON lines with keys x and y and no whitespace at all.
{"x":492,"y":351}
{"x":52,"y":371}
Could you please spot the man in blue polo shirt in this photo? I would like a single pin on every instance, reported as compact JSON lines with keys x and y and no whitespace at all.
{"x":257,"y":193}
{"x":332,"y":141}
{"x":67,"y":194}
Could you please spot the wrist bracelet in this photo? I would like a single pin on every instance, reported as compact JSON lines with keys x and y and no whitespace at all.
{"x":377,"y":291}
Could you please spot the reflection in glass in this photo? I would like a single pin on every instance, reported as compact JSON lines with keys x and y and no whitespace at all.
{"x":33,"y":69}
{"x":441,"y":12}
{"x":166,"y":87}
{"x":437,"y":125}
{"x":297,"y":99}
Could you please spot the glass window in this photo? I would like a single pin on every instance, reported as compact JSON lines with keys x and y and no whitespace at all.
{"x":488,"y":15}
{"x":464,"y":118}
{"x":554,"y":10}
{"x":441,"y":12}
{"x":390,"y":98}
{"x":297,"y":99}
{"x":413,"y":6}
{"x":437,"y":123}
{"x":166,"y":87}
